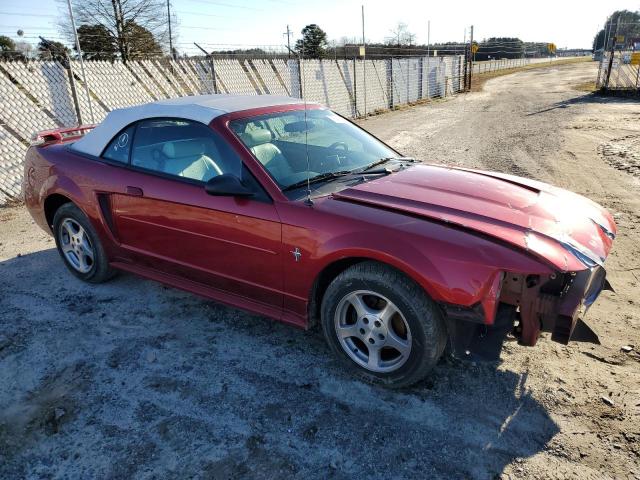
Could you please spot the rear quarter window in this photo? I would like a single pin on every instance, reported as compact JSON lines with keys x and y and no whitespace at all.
{"x":119,"y":148}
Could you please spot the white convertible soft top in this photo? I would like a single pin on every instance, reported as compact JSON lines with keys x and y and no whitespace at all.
{"x":200,"y":108}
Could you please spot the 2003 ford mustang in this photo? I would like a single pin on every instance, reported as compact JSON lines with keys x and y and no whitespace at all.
{"x":291,"y":211}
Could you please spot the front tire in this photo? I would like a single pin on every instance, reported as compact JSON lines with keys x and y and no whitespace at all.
{"x":79,"y":245}
{"x":382,"y":325}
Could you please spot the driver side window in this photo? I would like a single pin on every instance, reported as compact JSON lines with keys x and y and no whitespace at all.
{"x":182,"y":148}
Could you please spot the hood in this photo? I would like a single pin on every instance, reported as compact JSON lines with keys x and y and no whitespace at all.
{"x":567,"y":230}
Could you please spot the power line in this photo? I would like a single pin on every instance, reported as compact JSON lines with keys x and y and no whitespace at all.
{"x":221,"y":4}
{"x":21,"y":14}
{"x":200,"y":14}
{"x":22,"y":27}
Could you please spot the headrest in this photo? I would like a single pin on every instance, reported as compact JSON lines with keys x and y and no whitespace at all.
{"x":255,"y":137}
{"x":183,"y":148}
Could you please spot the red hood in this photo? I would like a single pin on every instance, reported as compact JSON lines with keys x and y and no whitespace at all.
{"x":569,"y":231}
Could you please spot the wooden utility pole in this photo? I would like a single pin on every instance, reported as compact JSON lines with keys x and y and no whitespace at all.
{"x":171,"y":51}
{"x":84,"y":76}
{"x":288,"y":34}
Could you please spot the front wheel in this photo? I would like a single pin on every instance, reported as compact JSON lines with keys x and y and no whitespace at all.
{"x":382,"y":325}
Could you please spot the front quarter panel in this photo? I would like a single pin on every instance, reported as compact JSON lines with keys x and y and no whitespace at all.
{"x":453,"y":266}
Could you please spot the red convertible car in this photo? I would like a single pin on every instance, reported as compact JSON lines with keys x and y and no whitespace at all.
{"x":291,"y":211}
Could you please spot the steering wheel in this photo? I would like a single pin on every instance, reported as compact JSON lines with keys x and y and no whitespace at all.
{"x":335,"y":145}
{"x":336,"y":157}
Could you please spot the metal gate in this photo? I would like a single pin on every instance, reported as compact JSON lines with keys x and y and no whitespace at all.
{"x":620,"y":71}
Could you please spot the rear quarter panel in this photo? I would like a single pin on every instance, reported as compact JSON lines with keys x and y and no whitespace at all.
{"x":56,"y":169}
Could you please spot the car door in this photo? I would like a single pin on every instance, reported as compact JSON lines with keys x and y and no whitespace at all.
{"x":167,"y":222}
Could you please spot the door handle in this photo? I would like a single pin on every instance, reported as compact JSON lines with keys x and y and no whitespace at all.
{"x":134,"y":191}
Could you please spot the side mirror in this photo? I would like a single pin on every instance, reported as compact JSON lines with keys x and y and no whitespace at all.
{"x":227,"y":185}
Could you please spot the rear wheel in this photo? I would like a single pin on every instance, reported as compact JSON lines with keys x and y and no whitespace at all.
{"x":79,"y":245}
{"x":382,"y":325}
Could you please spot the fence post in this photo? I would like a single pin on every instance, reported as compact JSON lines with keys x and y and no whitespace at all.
{"x":467,"y":51}
{"x":213,"y":74}
{"x":429,"y":77}
{"x":612,"y":53}
{"x":74,"y":92}
{"x":444,"y":63}
{"x":300,"y":78}
{"x":390,"y":81}
{"x":420,"y":77}
{"x":355,"y":84}
{"x":364,"y":81}
{"x":606,"y":81}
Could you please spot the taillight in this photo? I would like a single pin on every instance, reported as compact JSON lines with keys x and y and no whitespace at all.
{"x":59,"y":135}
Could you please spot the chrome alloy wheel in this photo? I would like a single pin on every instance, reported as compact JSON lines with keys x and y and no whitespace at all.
{"x":372,"y":331}
{"x":76,"y":245}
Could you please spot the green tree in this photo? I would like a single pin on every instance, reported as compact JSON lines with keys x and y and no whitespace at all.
{"x":629,"y":28}
{"x":51,"y":50}
{"x":500,"y":47}
{"x":313,"y":43}
{"x":97,"y":43}
{"x":141,"y":42}
{"x":8,"y":49}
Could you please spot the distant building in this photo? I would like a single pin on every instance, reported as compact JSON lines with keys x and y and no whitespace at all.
{"x":574,"y":52}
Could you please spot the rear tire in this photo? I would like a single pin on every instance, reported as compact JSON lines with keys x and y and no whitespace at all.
{"x":79,"y":245}
{"x":382,"y":325}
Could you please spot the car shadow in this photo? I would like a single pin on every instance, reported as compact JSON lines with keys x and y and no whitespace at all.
{"x":132,"y":378}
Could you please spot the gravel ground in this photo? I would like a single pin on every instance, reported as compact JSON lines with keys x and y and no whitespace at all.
{"x":132,"y":379}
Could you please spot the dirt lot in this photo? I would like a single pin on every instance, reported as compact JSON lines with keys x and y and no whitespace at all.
{"x":134,"y":379}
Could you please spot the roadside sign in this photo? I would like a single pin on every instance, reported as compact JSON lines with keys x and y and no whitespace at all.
{"x":551,"y":47}
{"x":474,"y":48}
{"x":619,"y":38}
{"x":362,"y":51}
{"x":635,"y":58}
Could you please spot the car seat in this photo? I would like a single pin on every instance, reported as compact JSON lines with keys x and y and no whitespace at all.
{"x":259,"y":142}
{"x":186,"y":158}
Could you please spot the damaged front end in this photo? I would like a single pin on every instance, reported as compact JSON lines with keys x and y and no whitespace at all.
{"x":524,"y":306}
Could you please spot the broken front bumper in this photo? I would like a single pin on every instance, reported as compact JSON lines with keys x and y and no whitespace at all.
{"x":527,"y":305}
{"x":556,"y":305}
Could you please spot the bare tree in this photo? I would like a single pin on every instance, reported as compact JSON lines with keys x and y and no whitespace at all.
{"x":125,"y":21}
{"x":400,"y":36}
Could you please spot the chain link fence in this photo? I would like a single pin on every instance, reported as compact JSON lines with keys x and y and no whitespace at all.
{"x":506,"y":63}
{"x":39,"y":95}
{"x":620,"y":72}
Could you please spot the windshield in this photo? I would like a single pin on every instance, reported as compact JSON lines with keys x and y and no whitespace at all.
{"x":280,"y":142}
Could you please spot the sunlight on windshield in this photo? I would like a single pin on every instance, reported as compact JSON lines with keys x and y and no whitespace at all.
{"x":279,"y":142}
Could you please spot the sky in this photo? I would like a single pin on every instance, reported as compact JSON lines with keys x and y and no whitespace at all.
{"x":222,"y":24}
